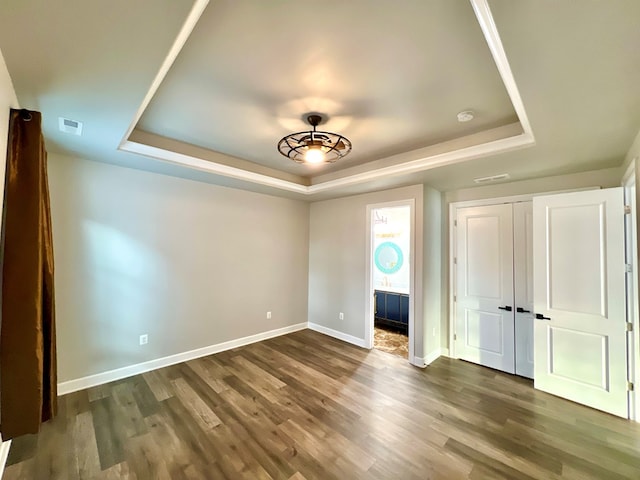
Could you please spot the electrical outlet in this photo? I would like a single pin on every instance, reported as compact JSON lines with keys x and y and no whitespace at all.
{"x":341,"y":316}
{"x":268,"y":315}
{"x":144,"y":339}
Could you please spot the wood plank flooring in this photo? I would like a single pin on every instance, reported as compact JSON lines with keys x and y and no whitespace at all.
{"x":306,"y":406}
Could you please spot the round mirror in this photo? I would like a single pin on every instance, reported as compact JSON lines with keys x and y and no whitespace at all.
{"x":388,"y":258}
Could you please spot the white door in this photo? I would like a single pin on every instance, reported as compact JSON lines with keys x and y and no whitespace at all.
{"x":579,"y":296}
{"x":484,"y":290}
{"x":523,"y":286}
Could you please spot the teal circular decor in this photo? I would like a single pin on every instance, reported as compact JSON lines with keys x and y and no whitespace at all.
{"x":388,"y":258}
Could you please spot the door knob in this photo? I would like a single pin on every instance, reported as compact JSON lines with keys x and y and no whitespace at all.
{"x":522,"y":310}
{"x":507,"y":308}
{"x":539,"y":316}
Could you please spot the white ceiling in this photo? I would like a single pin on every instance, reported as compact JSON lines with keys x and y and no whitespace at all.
{"x":391,"y":81}
{"x":390,"y":76}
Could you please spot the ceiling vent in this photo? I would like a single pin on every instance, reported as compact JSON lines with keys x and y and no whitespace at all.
{"x":67,"y":125}
{"x":495,"y":178}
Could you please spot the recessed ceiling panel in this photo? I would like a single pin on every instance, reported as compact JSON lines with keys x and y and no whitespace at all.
{"x":390,"y":76}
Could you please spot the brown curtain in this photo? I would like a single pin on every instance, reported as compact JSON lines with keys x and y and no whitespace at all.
{"x":28,"y":379}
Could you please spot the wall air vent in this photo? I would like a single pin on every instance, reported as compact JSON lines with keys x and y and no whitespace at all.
{"x":67,"y":125}
{"x":494,"y":178}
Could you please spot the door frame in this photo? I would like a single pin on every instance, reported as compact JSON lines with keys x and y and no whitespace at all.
{"x":633,"y":311}
{"x":369,"y":302}
{"x":453,"y":207}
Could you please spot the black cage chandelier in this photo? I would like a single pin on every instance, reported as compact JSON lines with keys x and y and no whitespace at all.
{"x":314,"y":146}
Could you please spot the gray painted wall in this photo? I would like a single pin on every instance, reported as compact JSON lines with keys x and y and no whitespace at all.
{"x":432,"y":273}
{"x":608,"y":177}
{"x":337,"y":261}
{"x":605,"y":178}
{"x":8,"y":100}
{"x":188,"y":263}
{"x":195,"y":264}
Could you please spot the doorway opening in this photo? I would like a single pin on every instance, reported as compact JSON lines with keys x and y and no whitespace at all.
{"x":391,"y":278}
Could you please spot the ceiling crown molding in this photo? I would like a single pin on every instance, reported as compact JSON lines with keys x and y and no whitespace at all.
{"x":417,"y":160}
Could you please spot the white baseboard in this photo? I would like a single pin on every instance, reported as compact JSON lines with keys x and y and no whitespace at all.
{"x":119,"y":373}
{"x":418,"y":362}
{"x":336,"y":334}
{"x":4,"y":454}
{"x":432,"y":357}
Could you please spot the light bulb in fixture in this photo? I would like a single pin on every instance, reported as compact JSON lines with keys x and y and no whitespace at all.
{"x":314,"y":155}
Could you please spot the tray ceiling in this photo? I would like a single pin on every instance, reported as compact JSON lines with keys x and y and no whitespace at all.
{"x":391,"y":80}
{"x":205,"y":89}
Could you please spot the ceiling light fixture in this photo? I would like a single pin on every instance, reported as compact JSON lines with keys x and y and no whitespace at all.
{"x":314,"y":146}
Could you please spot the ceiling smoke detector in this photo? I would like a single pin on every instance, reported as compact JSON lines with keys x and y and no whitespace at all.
{"x":466,"y":116}
{"x":66,"y":125}
{"x":494,"y":178}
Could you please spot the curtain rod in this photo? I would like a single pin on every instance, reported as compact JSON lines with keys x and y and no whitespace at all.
{"x":25,"y":115}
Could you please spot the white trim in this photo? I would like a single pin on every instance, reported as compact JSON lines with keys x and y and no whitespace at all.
{"x":345,"y":337}
{"x":4,"y":454}
{"x":432,"y":357}
{"x":633,"y":310}
{"x":211,"y":167}
{"x":187,"y":27}
{"x":432,"y":161}
{"x":492,"y":37}
{"x":369,"y":308}
{"x":421,"y":164}
{"x":525,"y":197}
{"x":629,"y":176}
{"x":124,"y":372}
{"x":452,"y":278}
{"x":418,"y":362}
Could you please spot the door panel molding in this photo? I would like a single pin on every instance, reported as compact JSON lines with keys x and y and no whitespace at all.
{"x":453,"y":208}
{"x":579,"y":280}
{"x":485,"y":320}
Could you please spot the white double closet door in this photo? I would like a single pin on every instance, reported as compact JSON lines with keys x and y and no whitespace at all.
{"x":564,"y":260}
{"x":494,"y":286}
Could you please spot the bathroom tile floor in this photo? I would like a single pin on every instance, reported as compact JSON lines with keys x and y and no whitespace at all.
{"x":391,"y":341}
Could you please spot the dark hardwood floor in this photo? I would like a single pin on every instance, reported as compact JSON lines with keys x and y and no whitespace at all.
{"x":306,"y":406}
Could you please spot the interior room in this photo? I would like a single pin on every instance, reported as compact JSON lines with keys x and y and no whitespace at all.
{"x":296,"y":240}
{"x":391,"y":267}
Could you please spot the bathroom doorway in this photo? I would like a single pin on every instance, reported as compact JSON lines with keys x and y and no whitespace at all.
{"x":391,"y":267}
